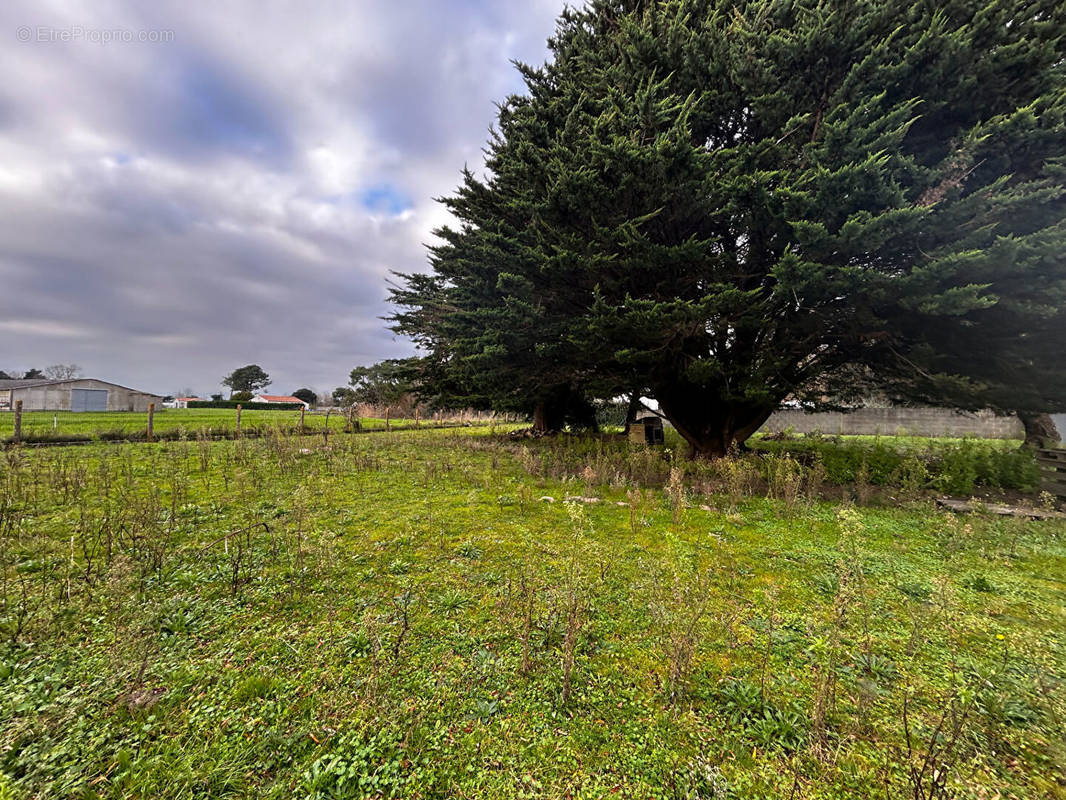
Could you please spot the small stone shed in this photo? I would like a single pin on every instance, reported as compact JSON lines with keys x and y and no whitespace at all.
{"x":73,"y":394}
{"x":647,"y":431}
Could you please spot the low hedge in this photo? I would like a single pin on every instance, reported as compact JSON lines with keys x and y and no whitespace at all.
{"x":955,"y":467}
{"x":249,"y":405}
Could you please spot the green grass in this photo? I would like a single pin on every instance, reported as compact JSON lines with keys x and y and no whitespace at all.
{"x":397,"y":615}
{"x":45,"y":425}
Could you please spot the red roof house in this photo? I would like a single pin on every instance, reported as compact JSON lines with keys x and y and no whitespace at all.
{"x":279,"y":398}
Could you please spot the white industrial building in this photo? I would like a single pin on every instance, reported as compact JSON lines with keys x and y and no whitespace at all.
{"x":73,"y":394}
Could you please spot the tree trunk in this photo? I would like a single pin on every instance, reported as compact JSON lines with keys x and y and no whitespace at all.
{"x":540,"y":417}
{"x":631,"y":411}
{"x":560,"y":406}
{"x":1040,"y":430}
{"x":548,"y":417}
{"x":711,"y":430}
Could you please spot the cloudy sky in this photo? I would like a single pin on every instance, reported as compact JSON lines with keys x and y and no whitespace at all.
{"x":224,"y":182}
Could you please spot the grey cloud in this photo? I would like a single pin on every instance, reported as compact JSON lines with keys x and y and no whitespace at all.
{"x":167,"y":207}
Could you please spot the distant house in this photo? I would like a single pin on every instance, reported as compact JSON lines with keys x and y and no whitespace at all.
{"x":279,"y":398}
{"x":183,"y":402}
{"x":73,"y":394}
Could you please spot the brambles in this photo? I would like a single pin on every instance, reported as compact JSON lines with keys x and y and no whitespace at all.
{"x":862,"y":484}
{"x":931,"y":758}
{"x":815,"y":481}
{"x":637,"y":500}
{"x":911,"y":476}
{"x":688,"y":608}
{"x":739,"y":476}
{"x":527,"y":598}
{"x":784,"y":478}
{"x":573,"y":595}
{"x":675,"y":491}
{"x":402,"y":607}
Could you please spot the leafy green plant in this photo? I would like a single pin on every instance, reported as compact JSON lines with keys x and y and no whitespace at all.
{"x":359,"y":766}
{"x":469,"y":550}
{"x":979,"y":583}
{"x":451,"y":601}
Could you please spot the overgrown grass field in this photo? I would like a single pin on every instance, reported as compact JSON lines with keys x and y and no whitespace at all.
{"x":405,"y":615}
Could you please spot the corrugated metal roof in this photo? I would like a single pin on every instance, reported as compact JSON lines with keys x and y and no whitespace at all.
{"x":21,"y":384}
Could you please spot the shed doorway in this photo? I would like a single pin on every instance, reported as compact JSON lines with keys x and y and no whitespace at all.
{"x":88,"y":399}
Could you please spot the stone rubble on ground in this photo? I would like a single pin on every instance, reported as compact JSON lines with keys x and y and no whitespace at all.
{"x":969,"y":507}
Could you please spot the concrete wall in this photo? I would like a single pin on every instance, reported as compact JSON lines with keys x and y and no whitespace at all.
{"x":892,"y":421}
{"x":56,"y":397}
{"x":1060,"y":423}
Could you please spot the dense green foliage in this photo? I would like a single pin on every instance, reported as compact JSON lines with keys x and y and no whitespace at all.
{"x":249,"y":404}
{"x":387,"y":383}
{"x":399,"y":615}
{"x":247,"y":380}
{"x":723,"y":204}
{"x":956,"y":467}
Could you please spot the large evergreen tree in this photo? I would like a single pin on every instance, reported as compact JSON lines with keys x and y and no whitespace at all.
{"x":727,"y":203}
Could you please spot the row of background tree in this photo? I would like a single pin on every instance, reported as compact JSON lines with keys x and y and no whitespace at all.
{"x":386,"y":384}
{"x":55,"y":372}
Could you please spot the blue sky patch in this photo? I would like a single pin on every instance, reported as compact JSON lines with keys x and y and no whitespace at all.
{"x":385,"y":198}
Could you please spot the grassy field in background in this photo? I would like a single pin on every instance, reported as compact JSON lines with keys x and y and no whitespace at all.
{"x":404,"y":615}
{"x":44,"y":424}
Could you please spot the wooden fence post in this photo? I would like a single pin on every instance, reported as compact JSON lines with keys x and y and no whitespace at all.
{"x":325,"y":428}
{"x":18,"y":422}
{"x":238,"y":420}
{"x":348,"y":422}
{"x":387,"y":426}
{"x":151,"y":417}
{"x":416,"y":417}
{"x":303,"y":410}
